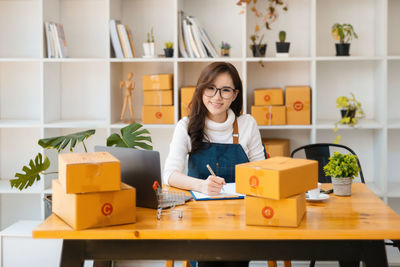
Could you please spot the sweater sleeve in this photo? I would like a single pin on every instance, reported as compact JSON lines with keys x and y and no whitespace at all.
{"x":178,"y":151}
{"x":255,"y":146}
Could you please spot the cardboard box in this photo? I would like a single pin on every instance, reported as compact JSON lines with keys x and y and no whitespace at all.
{"x":158,"y":98}
{"x":89,"y":172}
{"x":285,"y":212}
{"x":82,"y":211}
{"x":298,"y":105}
{"x":268,"y":96}
{"x":157,"y":82}
{"x":277,"y":147}
{"x":158,"y":114}
{"x":276,"y":178}
{"x":269,"y":115}
{"x":186,"y":97}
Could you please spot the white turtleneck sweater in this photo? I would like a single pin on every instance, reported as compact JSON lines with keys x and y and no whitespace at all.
{"x":180,"y":146}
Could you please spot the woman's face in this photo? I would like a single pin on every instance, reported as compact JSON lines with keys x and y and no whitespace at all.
{"x":218,"y":104}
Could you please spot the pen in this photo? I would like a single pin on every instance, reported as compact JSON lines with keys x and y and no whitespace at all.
{"x":212,"y":173}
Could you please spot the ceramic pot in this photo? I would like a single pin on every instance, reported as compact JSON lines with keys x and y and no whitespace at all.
{"x":342,"y":186}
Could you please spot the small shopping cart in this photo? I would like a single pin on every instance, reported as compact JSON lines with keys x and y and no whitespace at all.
{"x":168,"y":200}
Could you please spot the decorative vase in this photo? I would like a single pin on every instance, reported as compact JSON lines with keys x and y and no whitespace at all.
{"x":348,"y":113}
{"x":342,"y":186}
{"x":169,"y":52}
{"x":149,"y":49}
{"x":224,"y":52}
{"x":282,"y":47}
{"x":342,"y":49}
{"x":259,"y":50}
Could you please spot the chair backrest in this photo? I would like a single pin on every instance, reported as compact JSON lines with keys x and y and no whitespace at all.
{"x":321,"y":153}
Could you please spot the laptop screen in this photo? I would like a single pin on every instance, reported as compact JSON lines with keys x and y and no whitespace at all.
{"x":139,"y":168}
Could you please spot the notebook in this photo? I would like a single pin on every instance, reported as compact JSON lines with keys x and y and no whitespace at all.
{"x":140,"y":169}
{"x":228,"y":192}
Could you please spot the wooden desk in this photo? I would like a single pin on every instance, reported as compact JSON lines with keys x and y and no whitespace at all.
{"x":343,"y":228}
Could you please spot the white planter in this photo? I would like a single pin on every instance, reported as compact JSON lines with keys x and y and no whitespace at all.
{"x":149,"y":49}
{"x":342,"y":186}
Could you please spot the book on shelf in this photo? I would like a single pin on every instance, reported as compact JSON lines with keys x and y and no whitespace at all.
{"x":181,"y":42}
{"x":123,"y":37}
{"x":194,"y":42}
{"x":116,"y":44}
{"x":128,"y":30}
{"x":55,"y":39}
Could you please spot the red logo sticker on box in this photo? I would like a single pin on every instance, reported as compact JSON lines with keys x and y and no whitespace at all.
{"x":254,"y":182}
{"x":107,"y":209}
{"x":267,"y":98}
{"x":158,"y":115}
{"x":298,"y":105}
{"x":267,"y":212}
{"x":269,"y":116}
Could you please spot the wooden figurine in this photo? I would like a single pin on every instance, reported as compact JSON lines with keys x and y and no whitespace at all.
{"x":129,"y":87}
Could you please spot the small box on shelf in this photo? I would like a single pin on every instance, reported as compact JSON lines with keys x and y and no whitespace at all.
{"x":268,"y":96}
{"x":298,"y":105}
{"x":158,"y":98}
{"x":277,"y":147}
{"x":186,"y":98}
{"x":269,"y":115}
{"x":157,"y":82}
{"x":158,"y":114}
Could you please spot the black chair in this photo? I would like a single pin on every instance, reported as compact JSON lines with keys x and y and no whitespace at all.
{"x":321,"y":153}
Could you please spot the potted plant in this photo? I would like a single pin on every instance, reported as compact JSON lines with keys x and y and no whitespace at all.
{"x":259,"y":49}
{"x":282,"y":47}
{"x":225,"y":46}
{"x":342,"y":168}
{"x":168,"y":50}
{"x":343,"y":33}
{"x":149,"y":46}
{"x":351,"y":111}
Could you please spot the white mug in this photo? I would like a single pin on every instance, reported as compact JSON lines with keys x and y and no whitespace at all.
{"x":314,"y":193}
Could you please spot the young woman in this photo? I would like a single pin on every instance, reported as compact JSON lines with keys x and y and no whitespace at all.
{"x":214,"y":133}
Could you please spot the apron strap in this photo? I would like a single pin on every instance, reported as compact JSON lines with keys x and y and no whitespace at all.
{"x":235,"y":134}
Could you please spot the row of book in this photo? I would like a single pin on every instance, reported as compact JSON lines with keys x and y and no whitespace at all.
{"x":55,"y":39}
{"x":121,"y":40}
{"x":194,"y":41}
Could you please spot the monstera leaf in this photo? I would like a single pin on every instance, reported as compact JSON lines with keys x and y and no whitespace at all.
{"x":31,"y":173}
{"x":60,"y":142}
{"x":131,"y":136}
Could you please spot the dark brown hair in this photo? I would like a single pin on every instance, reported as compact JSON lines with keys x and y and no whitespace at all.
{"x":198,"y":111}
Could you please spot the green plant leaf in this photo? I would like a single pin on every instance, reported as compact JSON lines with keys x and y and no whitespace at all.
{"x":32,"y":173}
{"x":131,"y":136}
{"x":60,"y":142}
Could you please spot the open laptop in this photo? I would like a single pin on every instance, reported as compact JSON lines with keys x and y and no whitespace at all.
{"x":139,"y":168}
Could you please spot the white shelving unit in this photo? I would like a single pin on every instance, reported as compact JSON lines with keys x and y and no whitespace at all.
{"x":42,"y":97}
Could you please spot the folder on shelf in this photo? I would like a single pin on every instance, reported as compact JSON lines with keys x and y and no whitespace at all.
{"x":123,"y":37}
{"x":182,"y":47}
{"x":228,"y":192}
{"x":128,"y":31}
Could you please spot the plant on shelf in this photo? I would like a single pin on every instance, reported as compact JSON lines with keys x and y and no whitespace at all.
{"x":131,"y":136}
{"x":265,"y":15}
{"x":351,"y":111}
{"x":168,"y":50}
{"x":225,"y":46}
{"x":342,"y":168}
{"x":343,"y":33}
{"x":282,"y":47}
{"x":149,"y":46}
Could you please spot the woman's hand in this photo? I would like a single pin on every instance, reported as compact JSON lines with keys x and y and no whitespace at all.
{"x":213,"y":185}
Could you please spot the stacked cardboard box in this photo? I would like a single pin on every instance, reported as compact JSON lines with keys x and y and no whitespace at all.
{"x":158,"y":99}
{"x":277,"y":147}
{"x":89,"y":192}
{"x":275,"y":189}
{"x":186,"y":97}
{"x":268,"y":106}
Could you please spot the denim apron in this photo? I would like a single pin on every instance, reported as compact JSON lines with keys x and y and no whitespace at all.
{"x":222,"y":158}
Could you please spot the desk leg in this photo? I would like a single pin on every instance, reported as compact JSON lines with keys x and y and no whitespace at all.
{"x":72,"y":253}
{"x":375,"y":254}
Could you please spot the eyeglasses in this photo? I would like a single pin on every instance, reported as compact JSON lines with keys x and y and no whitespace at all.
{"x":224,"y":92}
